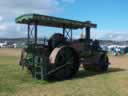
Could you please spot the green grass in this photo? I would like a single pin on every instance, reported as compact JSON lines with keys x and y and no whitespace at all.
{"x":12,"y":77}
{"x":17,"y":82}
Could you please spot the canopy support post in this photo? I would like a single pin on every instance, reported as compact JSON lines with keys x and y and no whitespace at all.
{"x":36,"y":33}
{"x":63,"y":31}
{"x":88,"y":33}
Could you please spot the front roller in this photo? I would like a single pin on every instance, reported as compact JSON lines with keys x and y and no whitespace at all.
{"x":100,"y":65}
{"x":65,"y":61}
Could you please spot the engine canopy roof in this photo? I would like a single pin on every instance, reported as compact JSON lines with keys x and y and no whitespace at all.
{"x":51,"y":21}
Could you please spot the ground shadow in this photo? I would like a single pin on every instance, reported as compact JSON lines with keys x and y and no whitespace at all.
{"x":83,"y":73}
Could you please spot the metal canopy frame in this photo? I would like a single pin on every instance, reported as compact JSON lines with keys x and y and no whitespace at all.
{"x":33,"y":20}
{"x":67,"y":33}
{"x":32,"y":34}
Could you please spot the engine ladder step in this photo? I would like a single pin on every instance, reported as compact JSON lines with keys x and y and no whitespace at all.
{"x":38,"y":70}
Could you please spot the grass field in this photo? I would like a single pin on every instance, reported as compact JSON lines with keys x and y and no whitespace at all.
{"x":17,"y":82}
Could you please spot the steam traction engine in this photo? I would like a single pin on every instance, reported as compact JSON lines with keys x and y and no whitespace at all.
{"x":60,"y":56}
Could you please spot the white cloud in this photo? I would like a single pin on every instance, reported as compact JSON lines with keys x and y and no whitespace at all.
{"x":110,"y":35}
{"x":3,"y":27}
{"x":10,"y":9}
{"x":1,"y":18}
{"x":10,"y":30}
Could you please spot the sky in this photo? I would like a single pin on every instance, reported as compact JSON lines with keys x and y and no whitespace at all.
{"x":111,"y":16}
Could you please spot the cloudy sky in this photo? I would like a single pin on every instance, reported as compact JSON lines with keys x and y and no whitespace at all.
{"x":110,"y":15}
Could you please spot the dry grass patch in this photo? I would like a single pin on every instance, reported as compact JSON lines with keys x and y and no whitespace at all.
{"x":10,"y":51}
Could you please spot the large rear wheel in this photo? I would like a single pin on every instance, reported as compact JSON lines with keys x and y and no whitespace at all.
{"x":66,"y":63}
